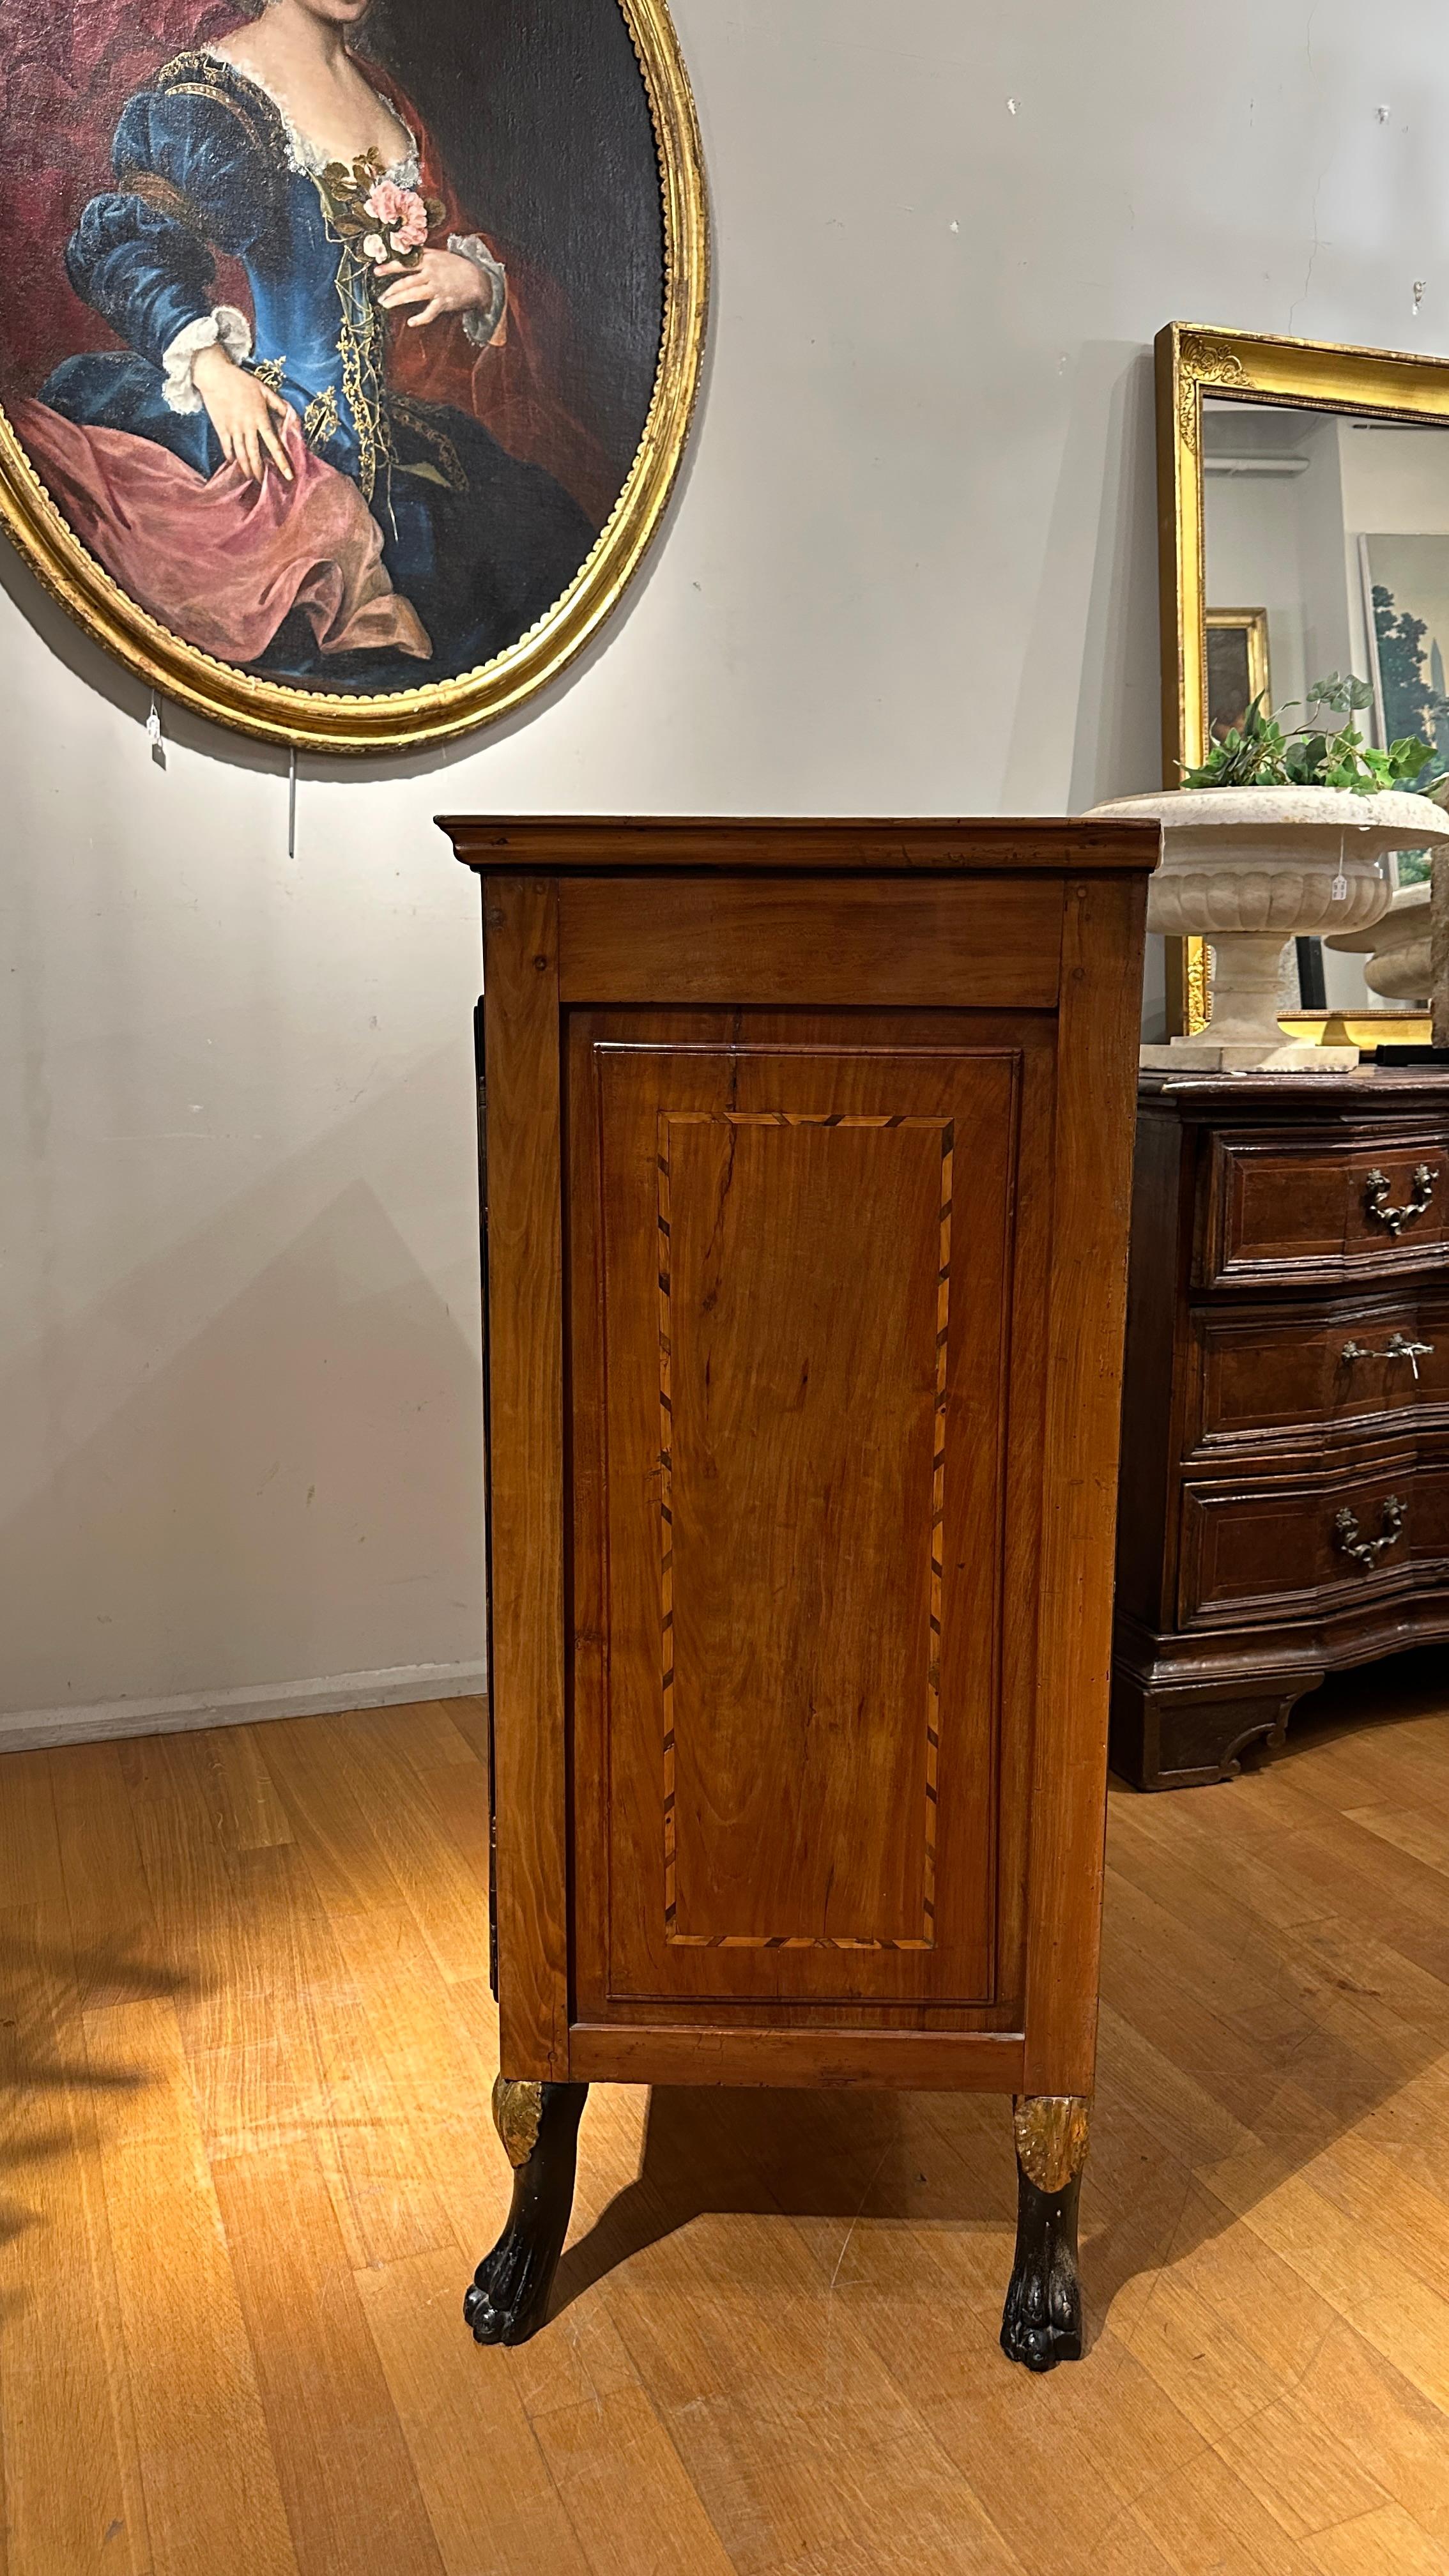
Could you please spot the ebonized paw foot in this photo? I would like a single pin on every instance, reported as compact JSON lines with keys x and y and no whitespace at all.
{"x":539,"y":2126}
{"x":508,"y":2300}
{"x":1042,"y":2322}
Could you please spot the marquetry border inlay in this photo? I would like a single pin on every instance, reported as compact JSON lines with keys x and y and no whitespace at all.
{"x":946,"y":1129}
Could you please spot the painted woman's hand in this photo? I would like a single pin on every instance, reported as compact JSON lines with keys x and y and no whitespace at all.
{"x":244,"y":413}
{"x":442,"y":282}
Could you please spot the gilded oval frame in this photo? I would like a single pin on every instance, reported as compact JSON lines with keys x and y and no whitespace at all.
{"x":441,"y":711}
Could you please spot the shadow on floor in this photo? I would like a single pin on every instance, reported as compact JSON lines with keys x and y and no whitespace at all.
{"x":1371,"y":1696}
{"x":1237,"y":2035}
{"x":848,"y":2156}
{"x":48,"y":2087}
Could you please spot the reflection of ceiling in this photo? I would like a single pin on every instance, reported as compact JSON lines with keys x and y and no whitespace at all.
{"x":1255,"y":438}
{"x":1273,"y":439}
{"x":1235,"y":462}
{"x":1268,"y":426}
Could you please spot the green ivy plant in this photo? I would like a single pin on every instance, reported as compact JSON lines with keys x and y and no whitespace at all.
{"x":1258,"y":753}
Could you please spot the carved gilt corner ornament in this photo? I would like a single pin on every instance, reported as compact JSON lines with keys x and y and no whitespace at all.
{"x":1204,"y":362}
{"x":1051,"y":2137}
{"x":517,"y":2111}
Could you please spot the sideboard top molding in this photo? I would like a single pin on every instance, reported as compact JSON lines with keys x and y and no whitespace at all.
{"x":504,"y":845}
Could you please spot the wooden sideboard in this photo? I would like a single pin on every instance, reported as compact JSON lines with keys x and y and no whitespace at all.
{"x":808,"y":1154}
{"x":1285,"y":1434}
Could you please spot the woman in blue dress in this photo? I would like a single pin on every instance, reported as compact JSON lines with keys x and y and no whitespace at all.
{"x":382,"y":339}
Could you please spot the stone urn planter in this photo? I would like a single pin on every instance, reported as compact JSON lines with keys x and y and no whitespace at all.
{"x":1399,"y":967}
{"x":1250,"y":868}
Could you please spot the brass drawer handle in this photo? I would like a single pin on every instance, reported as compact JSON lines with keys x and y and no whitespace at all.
{"x":1376,"y":1199}
{"x":1367,"y":1551}
{"x":1399,"y":1348}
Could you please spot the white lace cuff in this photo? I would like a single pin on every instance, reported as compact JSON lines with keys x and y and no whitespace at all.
{"x":481,"y":327}
{"x":228,"y":326}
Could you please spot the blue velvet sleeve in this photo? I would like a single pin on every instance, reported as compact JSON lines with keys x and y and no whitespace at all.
{"x":191,"y":175}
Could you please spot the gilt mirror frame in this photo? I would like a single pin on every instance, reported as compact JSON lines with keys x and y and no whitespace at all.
{"x":275,"y":711}
{"x":1248,"y":367}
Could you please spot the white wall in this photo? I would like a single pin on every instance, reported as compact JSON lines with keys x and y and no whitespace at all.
{"x":913,"y":569}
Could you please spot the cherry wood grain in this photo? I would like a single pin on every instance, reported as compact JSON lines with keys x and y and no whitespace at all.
{"x":807,"y":1377}
{"x":801,"y":1526}
{"x":803,"y":1427}
{"x":526,"y":1396}
{"x":1090,"y":1199}
{"x":570,"y":844}
{"x":987,"y":943}
{"x":701,"y":2052}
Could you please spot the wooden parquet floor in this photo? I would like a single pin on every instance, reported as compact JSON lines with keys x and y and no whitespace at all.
{"x":248,"y":2164}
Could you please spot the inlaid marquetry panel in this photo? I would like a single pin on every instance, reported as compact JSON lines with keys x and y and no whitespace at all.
{"x":792,"y":1433}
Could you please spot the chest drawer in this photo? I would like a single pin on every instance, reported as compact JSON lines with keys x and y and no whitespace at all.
{"x":1321,"y":1207}
{"x":1286,"y":1548}
{"x":1353,"y":1368}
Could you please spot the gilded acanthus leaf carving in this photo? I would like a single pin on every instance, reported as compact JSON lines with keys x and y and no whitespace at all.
{"x":1051,"y":2137}
{"x":517,"y":2111}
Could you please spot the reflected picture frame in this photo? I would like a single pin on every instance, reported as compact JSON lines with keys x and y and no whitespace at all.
{"x":1237,"y":654}
{"x":439,"y":711}
{"x":1195,"y":360}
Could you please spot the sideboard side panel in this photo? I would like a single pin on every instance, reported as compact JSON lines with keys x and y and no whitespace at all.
{"x":1092,"y":1183}
{"x":526,"y":1408}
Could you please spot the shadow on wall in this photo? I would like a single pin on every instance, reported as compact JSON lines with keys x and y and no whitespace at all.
{"x":294,"y":1491}
{"x":1091,"y":677}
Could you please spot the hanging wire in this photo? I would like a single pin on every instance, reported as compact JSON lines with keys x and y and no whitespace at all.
{"x":292,"y":803}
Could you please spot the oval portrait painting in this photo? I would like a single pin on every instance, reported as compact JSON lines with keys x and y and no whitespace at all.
{"x":347,"y":347}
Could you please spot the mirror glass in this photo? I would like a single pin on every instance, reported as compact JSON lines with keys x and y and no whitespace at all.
{"x":1326,"y":549}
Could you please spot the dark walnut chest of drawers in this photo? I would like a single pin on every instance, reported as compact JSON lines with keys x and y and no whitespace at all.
{"x":1285,"y":1455}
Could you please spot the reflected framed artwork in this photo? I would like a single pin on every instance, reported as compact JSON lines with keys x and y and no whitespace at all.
{"x":348,"y":348}
{"x":1237,"y":665}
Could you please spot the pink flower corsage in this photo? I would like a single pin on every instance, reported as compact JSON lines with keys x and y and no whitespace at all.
{"x":367,"y":208}
{"x":401,"y":218}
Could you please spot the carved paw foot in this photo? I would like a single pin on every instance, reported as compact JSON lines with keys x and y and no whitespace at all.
{"x":539,"y":2126}
{"x":508,"y":2299}
{"x":1042,"y":2324}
